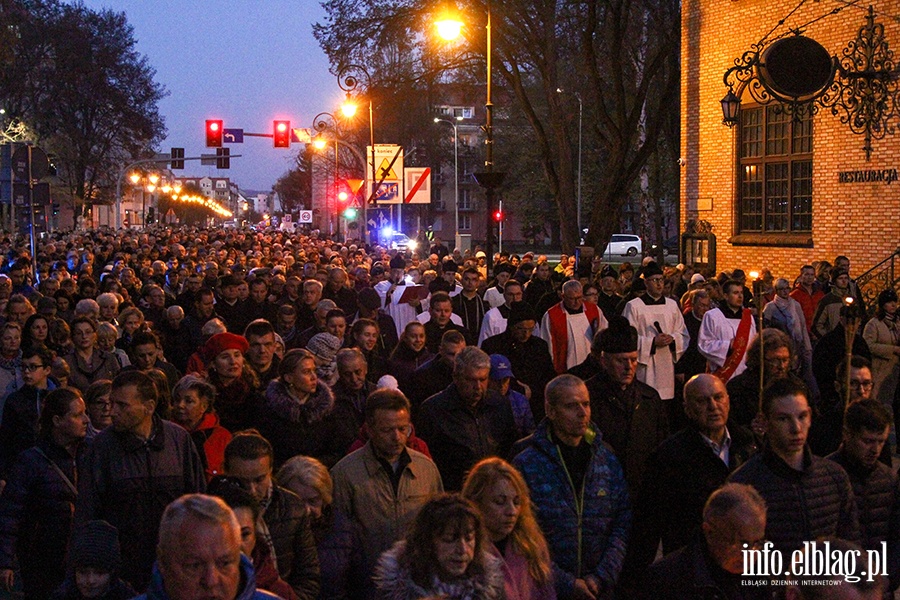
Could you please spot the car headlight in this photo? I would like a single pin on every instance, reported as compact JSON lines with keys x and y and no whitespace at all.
{"x":412,"y":244}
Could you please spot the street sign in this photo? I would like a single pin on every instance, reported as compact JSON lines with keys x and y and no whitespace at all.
{"x":418,"y":184}
{"x":233,"y":136}
{"x":388,"y":160}
{"x":300,"y":135}
{"x":41,"y":194}
{"x":388,"y":193}
{"x":306,"y":216}
{"x":208,"y":160}
{"x":378,"y":219}
{"x":40,"y":164}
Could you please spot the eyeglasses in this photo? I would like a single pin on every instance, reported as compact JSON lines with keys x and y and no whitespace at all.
{"x":31,"y":368}
{"x":862,"y":385}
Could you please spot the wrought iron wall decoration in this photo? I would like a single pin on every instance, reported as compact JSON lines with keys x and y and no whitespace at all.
{"x":860,"y":87}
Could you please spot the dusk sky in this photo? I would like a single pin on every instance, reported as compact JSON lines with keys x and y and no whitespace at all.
{"x":246,"y":62}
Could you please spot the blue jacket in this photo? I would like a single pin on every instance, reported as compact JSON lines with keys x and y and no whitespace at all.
{"x":586,"y":535}
{"x":248,"y":591}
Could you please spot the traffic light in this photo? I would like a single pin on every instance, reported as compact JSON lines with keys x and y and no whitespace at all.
{"x":281,"y":134}
{"x":498,"y":215}
{"x":222,"y":158}
{"x":350,"y":213}
{"x":214,"y":133}
{"x":343,"y":196}
{"x":177,"y":156}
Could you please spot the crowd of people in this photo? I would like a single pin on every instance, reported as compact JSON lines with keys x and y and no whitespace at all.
{"x":191,"y":413}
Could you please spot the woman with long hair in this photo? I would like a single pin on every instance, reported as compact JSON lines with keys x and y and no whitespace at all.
{"x":295,"y":415}
{"x":500,"y":493}
{"x":38,"y":502}
{"x":36,"y":331}
{"x":443,"y":556}
{"x":410,"y":353}
{"x":237,"y":387}
{"x":333,"y":532}
{"x":364,"y":335}
{"x":882,"y":334}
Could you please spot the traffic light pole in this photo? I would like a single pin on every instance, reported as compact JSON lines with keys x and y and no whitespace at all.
{"x":147,"y":161}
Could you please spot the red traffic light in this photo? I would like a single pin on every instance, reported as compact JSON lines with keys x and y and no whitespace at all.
{"x":498,"y":215}
{"x":214,"y":133}
{"x":281,"y":134}
{"x":343,"y":196}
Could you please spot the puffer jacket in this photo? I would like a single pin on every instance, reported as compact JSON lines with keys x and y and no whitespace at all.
{"x":293,"y":428}
{"x":877,"y":492}
{"x":801,"y":505}
{"x":292,"y":538}
{"x":394,"y":582}
{"x":587,"y":535}
{"x":210,"y":438}
{"x":129,"y":482}
{"x":248,"y":591}
{"x":36,"y":517}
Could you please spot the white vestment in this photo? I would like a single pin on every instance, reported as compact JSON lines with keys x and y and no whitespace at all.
{"x":656,"y":367}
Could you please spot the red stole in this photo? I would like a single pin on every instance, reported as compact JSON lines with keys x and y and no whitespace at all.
{"x":738,"y":348}
{"x":559,"y":331}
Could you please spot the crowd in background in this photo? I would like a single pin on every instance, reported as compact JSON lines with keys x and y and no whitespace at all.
{"x":365,"y":423}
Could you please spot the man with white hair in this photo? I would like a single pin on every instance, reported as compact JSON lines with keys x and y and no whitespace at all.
{"x":569,"y":326}
{"x":199,"y":554}
{"x":88,"y":307}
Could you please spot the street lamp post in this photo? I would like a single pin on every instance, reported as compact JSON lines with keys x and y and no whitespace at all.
{"x":488,"y":179}
{"x":453,"y":124}
{"x":349,"y":82}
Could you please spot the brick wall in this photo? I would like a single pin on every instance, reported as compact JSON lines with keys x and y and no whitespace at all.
{"x":859,"y":220}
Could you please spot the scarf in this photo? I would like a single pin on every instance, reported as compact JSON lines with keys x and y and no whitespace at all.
{"x":262,"y":528}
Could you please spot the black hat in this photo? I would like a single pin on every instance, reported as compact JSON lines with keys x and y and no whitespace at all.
{"x":835,"y":273}
{"x":230,"y":280}
{"x":377,"y":270}
{"x":96,"y":544}
{"x":369,"y":299}
{"x":619,"y":337}
{"x":518,"y":312}
{"x":651,"y":269}
{"x":450,"y":266}
{"x":886,"y":296}
{"x":398,"y":262}
{"x":504,"y":268}
{"x":608,"y":271}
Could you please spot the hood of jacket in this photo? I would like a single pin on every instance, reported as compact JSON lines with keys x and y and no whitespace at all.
{"x":286,"y":406}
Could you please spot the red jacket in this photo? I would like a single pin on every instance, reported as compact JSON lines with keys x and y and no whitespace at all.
{"x":808,"y":302}
{"x":212,"y":439}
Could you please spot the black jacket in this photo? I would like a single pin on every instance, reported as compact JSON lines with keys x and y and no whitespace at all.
{"x":877,"y":492}
{"x":459,"y":437}
{"x":295,"y":547}
{"x":680,"y":476}
{"x":531,"y":364}
{"x":691,"y":574}
{"x":36,"y":517}
{"x":801,"y":505}
{"x":633,"y":421}
{"x":431,"y":378}
{"x":129,"y":482}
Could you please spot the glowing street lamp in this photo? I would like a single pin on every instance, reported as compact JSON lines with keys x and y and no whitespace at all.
{"x":450,"y":28}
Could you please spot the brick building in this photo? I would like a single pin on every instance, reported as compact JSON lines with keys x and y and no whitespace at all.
{"x":778,"y":192}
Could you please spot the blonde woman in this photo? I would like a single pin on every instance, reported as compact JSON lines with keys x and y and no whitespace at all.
{"x":500,"y":493}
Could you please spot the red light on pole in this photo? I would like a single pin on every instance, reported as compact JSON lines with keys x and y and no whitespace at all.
{"x":281,"y":134}
{"x":342,"y":196}
{"x":214,"y":133}
{"x":498,"y":215}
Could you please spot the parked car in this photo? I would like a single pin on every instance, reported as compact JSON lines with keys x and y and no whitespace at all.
{"x":624,"y":243}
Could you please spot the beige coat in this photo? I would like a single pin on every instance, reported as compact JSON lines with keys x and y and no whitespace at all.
{"x":363,"y":492}
{"x":885,"y":364}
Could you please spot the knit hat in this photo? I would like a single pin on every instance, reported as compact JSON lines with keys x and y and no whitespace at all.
{"x":619,"y":337}
{"x":398,"y":262}
{"x":324,"y":346}
{"x":450,"y":266}
{"x":835,"y":273}
{"x":518,"y":312}
{"x":369,"y":299}
{"x":608,"y":271}
{"x":500,"y":367}
{"x":652,"y":269}
{"x":886,"y":296}
{"x":221,"y":342}
{"x":96,"y":544}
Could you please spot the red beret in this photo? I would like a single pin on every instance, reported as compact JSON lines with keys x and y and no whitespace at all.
{"x":221,"y":342}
